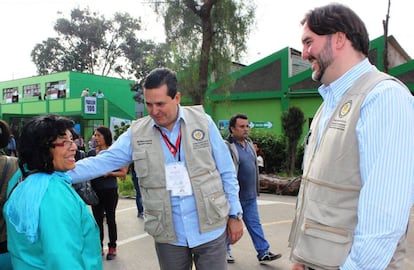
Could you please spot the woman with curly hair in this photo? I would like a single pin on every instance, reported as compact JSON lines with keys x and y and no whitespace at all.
{"x":48,"y":224}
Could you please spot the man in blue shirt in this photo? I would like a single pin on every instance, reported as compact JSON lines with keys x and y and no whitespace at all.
{"x":186,"y":176}
{"x":357,"y":186}
{"x":245,"y":161}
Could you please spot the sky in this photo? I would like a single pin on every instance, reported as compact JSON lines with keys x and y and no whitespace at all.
{"x":24,"y":23}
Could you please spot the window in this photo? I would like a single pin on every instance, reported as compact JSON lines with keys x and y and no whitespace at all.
{"x":56,"y":89}
{"x":32,"y":90}
{"x":11,"y":95}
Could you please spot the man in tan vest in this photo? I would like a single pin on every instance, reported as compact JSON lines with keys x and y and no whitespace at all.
{"x":357,"y":187}
{"x":186,"y":177}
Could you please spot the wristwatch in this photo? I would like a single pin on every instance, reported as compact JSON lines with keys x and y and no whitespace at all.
{"x":238,"y":216}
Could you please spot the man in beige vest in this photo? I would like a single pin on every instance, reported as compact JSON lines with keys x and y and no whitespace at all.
{"x":245,"y":160}
{"x":186,"y":177}
{"x":357,"y":187}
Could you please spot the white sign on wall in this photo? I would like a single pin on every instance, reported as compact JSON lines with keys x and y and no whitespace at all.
{"x":90,"y":105}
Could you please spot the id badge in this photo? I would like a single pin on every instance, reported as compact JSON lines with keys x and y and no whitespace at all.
{"x":178,"y":181}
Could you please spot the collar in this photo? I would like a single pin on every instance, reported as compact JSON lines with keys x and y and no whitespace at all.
{"x":338,"y":88}
{"x":231,"y":139}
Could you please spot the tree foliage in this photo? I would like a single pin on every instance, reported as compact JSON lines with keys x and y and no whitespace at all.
{"x":120,"y":129}
{"x":205,"y":36}
{"x":88,"y":42}
{"x":274,"y":148}
{"x":292,"y":123}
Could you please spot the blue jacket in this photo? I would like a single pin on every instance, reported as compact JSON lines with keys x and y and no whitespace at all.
{"x":68,"y":237}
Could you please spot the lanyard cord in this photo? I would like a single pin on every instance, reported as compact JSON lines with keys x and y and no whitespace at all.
{"x":173,"y":148}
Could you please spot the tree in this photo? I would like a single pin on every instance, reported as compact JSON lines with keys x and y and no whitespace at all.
{"x":120,"y":129}
{"x":292,"y":123}
{"x":205,"y":36}
{"x":88,"y":42}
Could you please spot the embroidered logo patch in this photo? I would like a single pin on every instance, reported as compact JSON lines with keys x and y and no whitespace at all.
{"x":198,"y":134}
{"x":345,"y":109}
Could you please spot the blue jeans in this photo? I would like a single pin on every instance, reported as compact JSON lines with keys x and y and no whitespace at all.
{"x":138,"y":198}
{"x":254,"y":227}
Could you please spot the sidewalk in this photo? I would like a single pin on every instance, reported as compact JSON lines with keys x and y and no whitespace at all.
{"x":136,"y":248}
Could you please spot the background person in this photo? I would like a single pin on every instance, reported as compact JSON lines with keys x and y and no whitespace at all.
{"x":8,"y":166}
{"x":100,"y":94}
{"x":138,"y":197}
{"x":245,"y":161}
{"x":48,"y":224}
{"x":190,"y":146}
{"x":80,"y":142}
{"x":357,"y":187}
{"x":12,"y":147}
{"x":92,"y":143}
{"x":260,"y":158}
{"x":106,"y":187}
{"x":85,"y":92}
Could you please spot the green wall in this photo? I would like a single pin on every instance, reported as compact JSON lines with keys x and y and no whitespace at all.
{"x":117,"y":91}
{"x":252,"y":108}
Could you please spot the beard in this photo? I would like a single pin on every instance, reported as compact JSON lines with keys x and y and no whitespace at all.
{"x":323,"y":61}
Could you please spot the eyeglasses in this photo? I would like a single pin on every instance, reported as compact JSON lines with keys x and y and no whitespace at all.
{"x":66,"y":144}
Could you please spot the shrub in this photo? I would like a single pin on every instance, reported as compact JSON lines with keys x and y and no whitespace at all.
{"x":126,"y":187}
{"x":274,"y":148}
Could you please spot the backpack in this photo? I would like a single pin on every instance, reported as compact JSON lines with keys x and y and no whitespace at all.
{"x":84,"y":189}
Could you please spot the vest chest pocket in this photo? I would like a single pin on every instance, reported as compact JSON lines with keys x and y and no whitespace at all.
{"x":150,"y":172}
{"x":141,"y":163}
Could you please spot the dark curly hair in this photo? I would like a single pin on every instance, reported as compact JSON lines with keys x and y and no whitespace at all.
{"x":334,"y":18}
{"x":5,"y":134}
{"x":35,"y":142}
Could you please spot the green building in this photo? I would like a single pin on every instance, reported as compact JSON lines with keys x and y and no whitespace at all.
{"x":60,"y":93}
{"x":265,"y":89}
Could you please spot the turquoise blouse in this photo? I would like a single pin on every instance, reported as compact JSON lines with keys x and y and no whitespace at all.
{"x":68,"y":237}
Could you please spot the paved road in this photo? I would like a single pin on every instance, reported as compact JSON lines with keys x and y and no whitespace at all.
{"x":136,"y":248}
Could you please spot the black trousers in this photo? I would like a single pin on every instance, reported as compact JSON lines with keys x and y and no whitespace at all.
{"x":108,"y":200}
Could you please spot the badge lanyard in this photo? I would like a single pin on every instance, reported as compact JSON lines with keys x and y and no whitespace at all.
{"x":173,"y":148}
